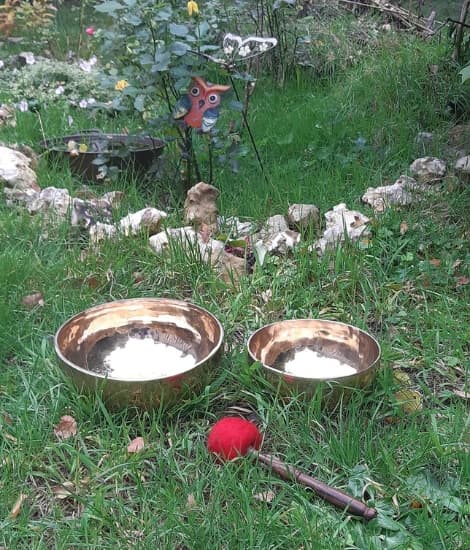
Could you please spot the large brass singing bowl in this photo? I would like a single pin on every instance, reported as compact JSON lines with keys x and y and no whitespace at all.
{"x":142,"y":352}
{"x":272,"y":345}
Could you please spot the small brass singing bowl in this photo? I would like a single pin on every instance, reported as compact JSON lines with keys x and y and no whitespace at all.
{"x":304,"y":356}
{"x":143,"y":352}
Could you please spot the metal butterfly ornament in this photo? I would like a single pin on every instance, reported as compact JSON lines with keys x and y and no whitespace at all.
{"x":199,"y":108}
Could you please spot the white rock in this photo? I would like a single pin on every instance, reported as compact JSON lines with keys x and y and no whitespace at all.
{"x":200,"y":206}
{"x":7,"y":115}
{"x":183,"y":236}
{"x":404,"y":191}
{"x":341,"y":222}
{"x":274,"y":225}
{"x":462,"y":169}
{"x":304,"y":216}
{"x":236,"y":227}
{"x":86,"y":213}
{"x":149,"y":219}
{"x":428,"y":169}
{"x":53,"y":201}
{"x":15,"y":170}
{"x":101,"y":231}
{"x":187,"y":238}
{"x":16,"y":196}
{"x":283,"y":242}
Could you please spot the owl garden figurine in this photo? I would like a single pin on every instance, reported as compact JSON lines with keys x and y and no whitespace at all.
{"x":199,"y":108}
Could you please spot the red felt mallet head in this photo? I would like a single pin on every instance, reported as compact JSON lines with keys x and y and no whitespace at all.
{"x":231,"y":437}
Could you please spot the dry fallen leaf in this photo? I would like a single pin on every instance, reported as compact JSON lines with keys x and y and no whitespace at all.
{"x":7,"y":418}
{"x":456,"y":264}
{"x":67,"y":427}
{"x":138,"y":277}
{"x":17,"y":506}
{"x":401,"y":378}
{"x":403,"y":228}
{"x":461,"y":281}
{"x":462,"y":394}
{"x":92,"y":282}
{"x":415,"y":504}
{"x":265,"y":496}
{"x":190,"y":502}
{"x":136,"y":445}
{"x":32,"y":300}
{"x":63,"y":491}
{"x":435,"y":262}
{"x":410,"y":401}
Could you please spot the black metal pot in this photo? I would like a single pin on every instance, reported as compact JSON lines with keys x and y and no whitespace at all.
{"x":120,"y":150}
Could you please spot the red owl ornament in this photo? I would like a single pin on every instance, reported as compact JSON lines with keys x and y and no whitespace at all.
{"x":199,"y":108}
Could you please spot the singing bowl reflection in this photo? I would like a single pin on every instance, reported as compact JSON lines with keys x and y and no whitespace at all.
{"x":332,"y":339}
{"x":83,"y":341}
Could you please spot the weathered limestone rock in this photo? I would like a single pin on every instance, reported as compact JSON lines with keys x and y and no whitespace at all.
{"x":275,"y":237}
{"x":404,"y":191}
{"x":102,"y":231}
{"x":7,"y":115}
{"x":304,"y":216}
{"x":462,"y":168}
{"x":273,"y":225}
{"x":184,"y":236}
{"x":230,"y":267}
{"x":15,"y":170}
{"x":148,"y":219}
{"x":86,"y":213}
{"x":190,"y":240}
{"x":341,"y":222}
{"x":428,"y":169}
{"x":200,"y":206}
{"x":51,"y":201}
{"x":282,"y":242}
{"x":235,"y":227}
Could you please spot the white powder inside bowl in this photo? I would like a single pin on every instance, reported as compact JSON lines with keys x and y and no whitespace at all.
{"x":308,"y":363}
{"x":145,"y":359}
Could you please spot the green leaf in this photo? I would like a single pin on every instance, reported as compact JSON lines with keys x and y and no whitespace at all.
{"x":178,"y":30}
{"x":179,"y":48}
{"x":203,"y":28}
{"x":109,"y":7}
{"x":388,"y":523}
{"x":146,"y":59}
{"x":465,"y":72}
{"x":139,"y":103}
{"x":162,"y":62}
{"x":132,"y":19}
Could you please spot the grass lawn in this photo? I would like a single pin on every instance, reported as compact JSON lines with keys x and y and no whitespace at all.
{"x":322,"y":140}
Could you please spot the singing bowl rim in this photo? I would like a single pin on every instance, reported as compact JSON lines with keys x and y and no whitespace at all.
{"x":295,"y":377}
{"x":215,"y":349}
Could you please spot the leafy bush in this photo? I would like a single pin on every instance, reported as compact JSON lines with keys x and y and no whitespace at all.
{"x":49,"y":81}
{"x":150,"y":52}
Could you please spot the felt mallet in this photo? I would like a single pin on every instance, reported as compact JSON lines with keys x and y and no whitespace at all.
{"x":232,"y":437}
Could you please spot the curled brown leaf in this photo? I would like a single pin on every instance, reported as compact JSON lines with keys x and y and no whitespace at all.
{"x":63,"y":491}
{"x":32,"y":300}
{"x":67,"y":427}
{"x":15,"y":511}
{"x":265,"y":496}
{"x":136,"y":445}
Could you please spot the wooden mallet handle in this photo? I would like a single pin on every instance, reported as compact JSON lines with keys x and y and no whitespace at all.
{"x":330,"y":494}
